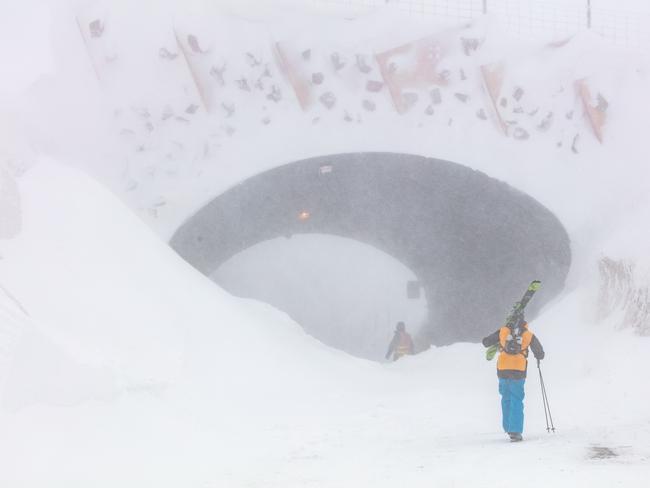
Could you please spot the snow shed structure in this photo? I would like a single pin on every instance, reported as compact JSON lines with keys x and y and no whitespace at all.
{"x":474,"y":242}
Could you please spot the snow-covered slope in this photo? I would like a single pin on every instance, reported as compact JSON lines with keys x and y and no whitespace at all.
{"x":132,"y":369}
{"x":120,"y":365}
{"x":222,"y":82}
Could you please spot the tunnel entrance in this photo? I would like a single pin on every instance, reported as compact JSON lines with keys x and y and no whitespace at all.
{"x":473,"y":242}
{"x":344,"y":293}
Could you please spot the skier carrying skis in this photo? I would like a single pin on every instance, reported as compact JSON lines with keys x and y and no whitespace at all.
{"x":513,"y":341}
{"x":401,"y":344}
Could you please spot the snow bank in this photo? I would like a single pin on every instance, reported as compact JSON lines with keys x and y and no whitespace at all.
{"x":110,"y":295}
{"x":126,"y":367}
{"x":120,"y":365}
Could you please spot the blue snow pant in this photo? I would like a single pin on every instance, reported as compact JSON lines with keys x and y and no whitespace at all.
{"x":512,"y":404}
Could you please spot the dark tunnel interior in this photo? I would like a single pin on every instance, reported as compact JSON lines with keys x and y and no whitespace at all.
{"x":473,"y":242}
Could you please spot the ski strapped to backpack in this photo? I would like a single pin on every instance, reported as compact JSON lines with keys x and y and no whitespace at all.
{"x":513,"y":322}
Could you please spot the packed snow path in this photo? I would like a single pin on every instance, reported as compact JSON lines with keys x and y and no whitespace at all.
{"x":139,"y":381}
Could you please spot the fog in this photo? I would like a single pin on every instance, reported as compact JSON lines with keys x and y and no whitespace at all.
{"x":344,"y":293}
{"x":214,"y":212}
{"x":472,"y":241}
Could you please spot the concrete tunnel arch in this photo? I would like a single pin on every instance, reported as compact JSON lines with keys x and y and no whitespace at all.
{"x":474,"y":242}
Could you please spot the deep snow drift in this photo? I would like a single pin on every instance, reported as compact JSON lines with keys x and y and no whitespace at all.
{"x":120,"y":364}
{"x":122,"y":375}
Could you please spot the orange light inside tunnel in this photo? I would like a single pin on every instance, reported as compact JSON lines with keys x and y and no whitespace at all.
{"x":304,"y":215}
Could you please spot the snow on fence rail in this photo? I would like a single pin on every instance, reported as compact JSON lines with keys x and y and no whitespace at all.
{"x":536,"y":19}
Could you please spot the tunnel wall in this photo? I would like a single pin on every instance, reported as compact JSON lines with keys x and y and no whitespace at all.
{"x":473,"y":242}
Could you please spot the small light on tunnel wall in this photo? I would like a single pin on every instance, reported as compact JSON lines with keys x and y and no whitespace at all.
{"x":325,"y":169}
{"x":304,"y":215}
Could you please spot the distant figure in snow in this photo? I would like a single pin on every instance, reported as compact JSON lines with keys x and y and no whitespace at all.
{"x":513,"y":341}
{"x":401,"y":344}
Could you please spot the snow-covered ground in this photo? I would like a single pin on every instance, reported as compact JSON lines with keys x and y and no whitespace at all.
{"x":132,"y":369}
{"x":121,"y":365}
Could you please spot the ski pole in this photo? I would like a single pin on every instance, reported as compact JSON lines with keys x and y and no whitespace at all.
{"x":547,"y":406}
{"x":541,"y":382}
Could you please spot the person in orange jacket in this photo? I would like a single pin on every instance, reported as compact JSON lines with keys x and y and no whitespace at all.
{"x":401,"y":344}
{"x":513,"y":340}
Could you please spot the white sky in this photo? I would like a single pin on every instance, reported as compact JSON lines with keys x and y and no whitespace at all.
{"x":24,"y":45}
